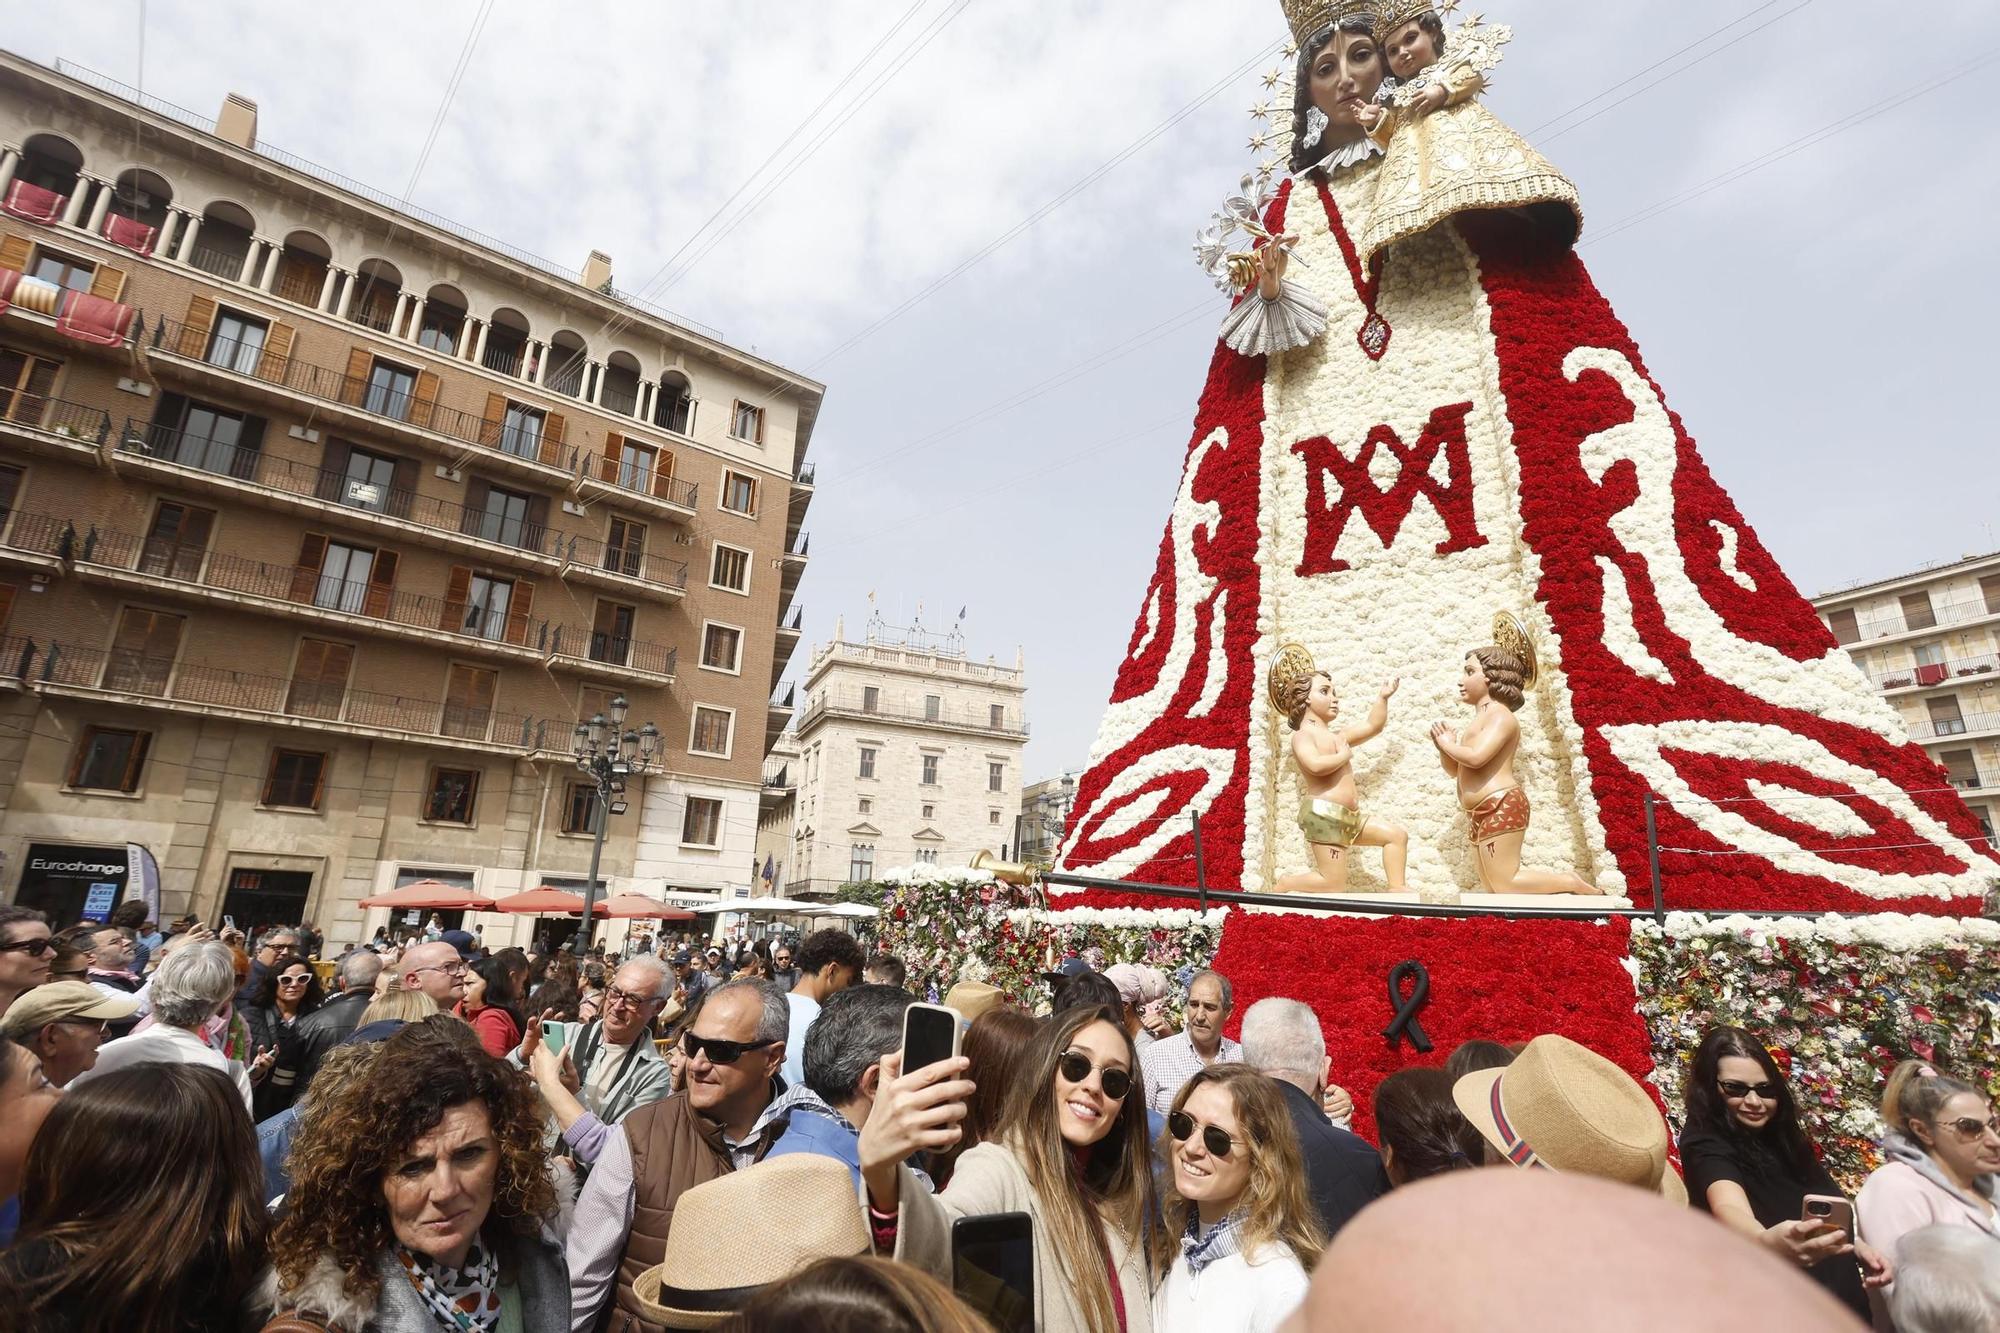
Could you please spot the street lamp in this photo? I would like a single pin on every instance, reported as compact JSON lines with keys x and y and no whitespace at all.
{"x":609,"y":754}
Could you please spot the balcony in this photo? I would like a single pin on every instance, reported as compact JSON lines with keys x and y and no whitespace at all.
{"x":202,"y":464}
{"x":301,"y":592}
{"x":193,"y":353}
{"x":50,"y":317}
{"x":54,"y":428}
{"x":1971,"y":726}
{"x":602,"y":656}
{"x":36,"y":541}
{"x":795,"y":553}
{"x":611,"y":478}
{"x":855,"y":703}
{"x":1959,"y":671}
{"x":185,"y":687}
{"x":219,"y":261}
{"x":590,"y":560}
{"x":1941,"y":617}
{"x":804,"y":480}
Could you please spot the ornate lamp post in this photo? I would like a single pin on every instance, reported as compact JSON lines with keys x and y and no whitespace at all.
{"x":609,"y":758}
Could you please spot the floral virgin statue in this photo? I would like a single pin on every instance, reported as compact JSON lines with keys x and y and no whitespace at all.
{"x":1421,"y":407}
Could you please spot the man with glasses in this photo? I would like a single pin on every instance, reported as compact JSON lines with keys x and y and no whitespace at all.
{"x":277,"y":942}
{"x":611,"y":1067}
{"x":25,"y":952}
{"x":434,"y":968}
{"x":783,"y":975}
{"x":63,"y":1023}
{"x":725,"y":1121}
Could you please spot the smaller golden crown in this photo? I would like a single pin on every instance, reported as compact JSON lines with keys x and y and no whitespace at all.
{"x":1308,"y":18}
{"x":1394,"y":14}
{"x":1511,"y":636}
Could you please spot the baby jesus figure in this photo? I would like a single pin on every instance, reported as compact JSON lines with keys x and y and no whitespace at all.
{"x":1328,"y":800}
{"x":1411,"y":36}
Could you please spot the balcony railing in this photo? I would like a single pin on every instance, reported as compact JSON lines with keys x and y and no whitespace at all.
{"x":503,"y":357}
{"x":1938,"y":673}
{"x":622,"y":401}
{"x":611,"y":650}
{"x":640,"y":480}
{"x":89,"y":425}
{"x":301,"y":284}
{"x":792,"y":623}
{"x":854,"y":703}
{"x":218,"y":260}
{"x":785,"y":696}
{"x":289,"y":478}
{"x":1939,"y":728}
{"x":806,"y":472}
{"x":307,"y":587}
{"x":1949,"y":613}
{"x":597,"y":554}
{"x":206,"y":686}
{"x":801,"y":547}
{"x":39,"y":534}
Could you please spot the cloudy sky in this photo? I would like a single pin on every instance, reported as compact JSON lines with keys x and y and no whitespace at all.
{"x":1011,"y":441}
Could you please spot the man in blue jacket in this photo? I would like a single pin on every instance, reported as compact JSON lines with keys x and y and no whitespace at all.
{"x":856,"y":1027}
{"x":1283,"y":1038}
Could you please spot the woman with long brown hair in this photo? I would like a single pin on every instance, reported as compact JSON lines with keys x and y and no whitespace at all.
{"x":1240,"y":1231}
{"x":994,"y":1044}
{"x":1071,"y":1153}
{"x":857,"y":1296}
{"x":142,"y":1208}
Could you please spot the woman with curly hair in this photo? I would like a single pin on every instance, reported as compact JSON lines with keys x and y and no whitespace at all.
{"x":421,"y":1197}
{"x":289,"y":991}
{"x":1240,"y":1228}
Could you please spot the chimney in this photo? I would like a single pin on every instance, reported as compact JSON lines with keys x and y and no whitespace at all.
{"x":597,"y":271}
{"x":238,"y":121}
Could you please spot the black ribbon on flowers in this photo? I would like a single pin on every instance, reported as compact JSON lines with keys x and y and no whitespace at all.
{"x":1405,"y":1025}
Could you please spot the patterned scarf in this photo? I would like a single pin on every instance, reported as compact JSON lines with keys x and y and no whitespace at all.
{"x":1221,"y":1240}
{"x":462,"y":1300}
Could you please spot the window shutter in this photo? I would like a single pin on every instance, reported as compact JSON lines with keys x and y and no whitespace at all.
{"x":108,"y":282}
{"x":456,"y":590}
{"x":6,"y":602}
{"x":14,"y":252}
{"x":425,"y":405}
{"x":491,"y":422}
{"x":196,"y":327}
{"x":614,"y":445}
{"x":277,"y":356}
{"x":354,"y":390}
{"x":312,"y":554}
{"x":171,"y":413}
{"x":333,"y":470}
{"x":249,"y":449}
{"x":555,"y":430}
{"x":537,"y":536}
{"x":469,"y":521}
{"x":381,"y":586}
{"x":319,"y":780}
{"x":163,"y":635}
{"x":663,"y":474}
{"x":403,"y":484}
{"x":519,"y":607}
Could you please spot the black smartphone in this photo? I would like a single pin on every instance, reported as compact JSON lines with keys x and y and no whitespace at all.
{"x":993,"y":1268}
{"x":930,"y":1034}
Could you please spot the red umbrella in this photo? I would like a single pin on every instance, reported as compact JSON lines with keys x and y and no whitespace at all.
{"x":431,"y":893}
{"x":639,"y":905}
{"x":546,"y":901}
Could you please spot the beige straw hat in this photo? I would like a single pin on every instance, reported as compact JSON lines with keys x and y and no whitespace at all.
{"x":722,"y":1248}
{"x":1567,"y":1108}
{"x":973,"y":998}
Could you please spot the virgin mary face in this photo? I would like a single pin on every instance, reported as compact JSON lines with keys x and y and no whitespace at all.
{"x":1343,"y":78}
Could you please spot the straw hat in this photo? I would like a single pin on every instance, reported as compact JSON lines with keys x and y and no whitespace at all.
{"x":1567,"y":1108}
{"x":60,"y":1000}
{"x":701,"y":1282}
{"x":972,"y":998}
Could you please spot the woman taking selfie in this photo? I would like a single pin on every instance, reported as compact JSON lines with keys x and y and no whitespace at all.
{"x":1071,"y":1152}
{"x":1240,"y":1229}
{"x":1748,"y":1161}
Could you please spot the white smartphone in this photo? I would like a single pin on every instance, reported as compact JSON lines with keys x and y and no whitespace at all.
{"x":1831,"y":1209}
{"x":931,"y":1033}
{"x":555,"y":1035}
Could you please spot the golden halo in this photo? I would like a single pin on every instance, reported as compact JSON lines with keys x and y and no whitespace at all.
{"x":1510,"y":635}
{"x":1289,"y":663}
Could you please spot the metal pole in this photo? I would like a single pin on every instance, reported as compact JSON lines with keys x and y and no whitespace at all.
{"x":1200,"y":866}
{"x":602,"y":771}
{"x":1653,"y":852}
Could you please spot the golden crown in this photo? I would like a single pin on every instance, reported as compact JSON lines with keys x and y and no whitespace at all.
{"x":1393,"y":14}
{"x":1311,"y":17}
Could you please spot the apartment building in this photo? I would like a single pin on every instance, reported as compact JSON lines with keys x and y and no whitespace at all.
{"x":777,"y":819}
{"x":909,"y":752}
{"x":324,"y":521}
{"x":1045,"y":808}
{"x":1930,"y":641}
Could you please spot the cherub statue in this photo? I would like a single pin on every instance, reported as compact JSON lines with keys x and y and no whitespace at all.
{"x":1481,"y":758}
{"x":1328,"y":801}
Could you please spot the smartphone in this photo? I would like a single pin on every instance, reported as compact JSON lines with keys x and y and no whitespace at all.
{"x":229,"y":922}
{"x":555,"y":1036}
{"x":1830,"y":1209}
{"x":930,"y":1033}
{"x":993,"y":1268}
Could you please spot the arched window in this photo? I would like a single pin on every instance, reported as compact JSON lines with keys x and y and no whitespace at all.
{"x":506,"y":341}
{"x":568,"y":360}
{"x":377,"y":286}
{"x":224,"y":241}
{"x":443,"y":319}
{"x":302,"y":268}
{"x":673,"y":405}
{"x":620,"y":393}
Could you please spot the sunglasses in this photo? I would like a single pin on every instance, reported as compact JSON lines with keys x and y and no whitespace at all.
{"x":1075,"y":1067}
{"x":718,"y":1051}
{"x":1969,"y":1128}
{"x":37,"y":947}
{"x":1181,"y":1125}
{"x":97,"y":1025}
{"x":1766,"y":1091}
{"x":294,"y":981}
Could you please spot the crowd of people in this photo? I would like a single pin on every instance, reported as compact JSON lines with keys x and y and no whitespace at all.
{"x":201,"y":1132}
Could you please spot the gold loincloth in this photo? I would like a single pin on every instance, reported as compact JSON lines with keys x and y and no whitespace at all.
{"x":1329,"y":823}
{"x":1501,"y":812}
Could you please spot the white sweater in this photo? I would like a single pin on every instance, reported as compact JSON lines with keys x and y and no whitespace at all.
{"x":1235,"y":1294}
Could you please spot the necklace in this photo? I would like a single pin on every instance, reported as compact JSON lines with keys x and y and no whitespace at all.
{"x":1373,"y":335}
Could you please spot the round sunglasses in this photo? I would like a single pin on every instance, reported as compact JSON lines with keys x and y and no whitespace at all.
{"x":1181,"y":1125}
{"x":1075,"y":1067}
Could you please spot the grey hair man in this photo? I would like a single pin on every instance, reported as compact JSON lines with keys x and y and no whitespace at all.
{"x":333,"y":1022}
{"x":1947,"y":1281}
{"x":855,"y":1029}
{"x":1282,"y":1038}
{"x":610,"y":1067}
{"x":1174,"y":1060}
{"x":726,"y":1120}
{"x":189,"y":989}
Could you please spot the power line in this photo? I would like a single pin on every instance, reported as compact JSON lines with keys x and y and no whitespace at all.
{"x":465,"y":50}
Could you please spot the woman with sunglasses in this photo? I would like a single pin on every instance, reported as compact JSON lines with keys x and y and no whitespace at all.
{"x":289,"y":991}
{"x":1071,"y":1152}
{"x":1943,"y":1151}
{"x":1240,"y":1228}
{"x":25,"y":952}
{"x":1748,"y":1161}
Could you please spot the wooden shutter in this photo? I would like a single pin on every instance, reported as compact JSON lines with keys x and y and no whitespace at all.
{"x":196,"y":327}
{"x":536,"y":537}
{"x":663,"y":474}
{"x":520,"y":605}
{"x":149,"y":633}
{"x":555,"y":427}
{"x":354,"y":390}
{"x":425,"y":405}
{"x":381,"y":586}
{"x":472,"y":517}
{"x":614,"y":446}
{"x":494,"y":418}
{"x":312,"y":554}
{"x":333,"y":470}
{"x":14,"y":251}
{"x":108,"y":282}
{"x":403,"y":484}
{"x":456,"y":590}
{"x":6,"y":602}
{"x":277,"y":357}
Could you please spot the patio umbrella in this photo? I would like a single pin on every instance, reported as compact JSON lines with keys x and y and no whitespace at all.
{"x":433,"y":894}
{"x":639,"y":905}
{"x":547,"y":901}
{"x":756,"y":906}
{"x":847,"y":911}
